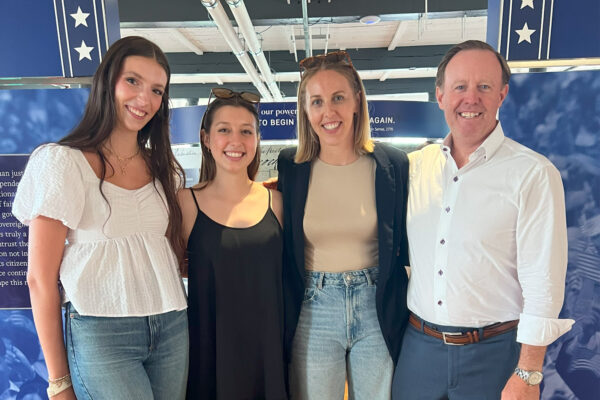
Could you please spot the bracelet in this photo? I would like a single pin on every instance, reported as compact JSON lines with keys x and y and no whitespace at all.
{"x":58,"y":385}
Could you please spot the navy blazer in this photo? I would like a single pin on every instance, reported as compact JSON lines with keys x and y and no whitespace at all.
{"x":391,"y":194}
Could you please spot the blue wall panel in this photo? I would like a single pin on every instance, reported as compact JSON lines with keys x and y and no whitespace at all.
{"x":556,"y":114}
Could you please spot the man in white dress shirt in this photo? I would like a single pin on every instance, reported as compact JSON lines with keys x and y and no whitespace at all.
{"x":488,"y":247}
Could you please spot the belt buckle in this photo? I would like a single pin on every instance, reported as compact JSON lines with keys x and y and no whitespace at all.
{"x":444,"y":334}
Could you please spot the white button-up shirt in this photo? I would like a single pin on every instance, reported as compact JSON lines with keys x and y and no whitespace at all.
{"x":488,"y":241}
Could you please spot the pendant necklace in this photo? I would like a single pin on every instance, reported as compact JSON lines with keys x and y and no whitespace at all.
{"x":122,"y":162}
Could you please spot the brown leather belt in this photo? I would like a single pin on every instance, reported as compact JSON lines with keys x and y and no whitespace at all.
{"x":461,"y":338}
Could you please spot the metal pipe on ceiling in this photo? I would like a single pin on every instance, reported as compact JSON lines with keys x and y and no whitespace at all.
{"x":293,"y":41}
{"x":307,"y":47}
{"x":240,"y":13}
{"x":217,"y":12}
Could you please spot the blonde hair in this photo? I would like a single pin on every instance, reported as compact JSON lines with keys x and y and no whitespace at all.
{"x":308,"y":141}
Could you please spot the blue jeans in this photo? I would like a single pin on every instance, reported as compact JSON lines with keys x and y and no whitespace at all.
{"x":338,"y":337}
{"x":128,"y":358}
{"x":428,"y":369}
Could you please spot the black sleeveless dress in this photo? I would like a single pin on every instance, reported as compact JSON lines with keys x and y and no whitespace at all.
{"x":235,"y":310}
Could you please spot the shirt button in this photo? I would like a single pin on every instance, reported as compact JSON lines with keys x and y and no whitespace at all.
{"x":455,"y":178}
{"x":442,"y":241}
{"x":447,"y":209}
{"x":439,"y":302}
{"x":440,"y":272}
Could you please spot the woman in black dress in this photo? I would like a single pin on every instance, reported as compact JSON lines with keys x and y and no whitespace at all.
{"x":234,"y":240}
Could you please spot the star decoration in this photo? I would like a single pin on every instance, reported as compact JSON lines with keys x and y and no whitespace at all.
{"x":526,"y":3}
{"x":81,"y":18}
{"x":525,"y":33}
{"x":84,"y":51}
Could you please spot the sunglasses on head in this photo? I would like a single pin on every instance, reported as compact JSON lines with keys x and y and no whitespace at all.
{"x":335,"y":57}
{"x":224,"y":93}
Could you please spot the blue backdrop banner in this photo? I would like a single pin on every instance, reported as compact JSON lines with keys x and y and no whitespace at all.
{"x":13,"y":237}
{"x":544,"y":29}
{"x":63,"y":38}
{"x":556,"y":114}
{"x":29,"y":118}
{"x":23,"y":373}
{"x":278,"y":121}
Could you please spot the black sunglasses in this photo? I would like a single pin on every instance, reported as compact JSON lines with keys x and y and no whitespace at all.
{"x":335,"y":57}
{"x":224,"y":93}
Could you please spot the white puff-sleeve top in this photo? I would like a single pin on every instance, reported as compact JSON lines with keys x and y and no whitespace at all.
{"x":117,"y":260}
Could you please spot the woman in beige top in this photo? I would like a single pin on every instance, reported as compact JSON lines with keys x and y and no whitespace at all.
{"x":345,"y":242}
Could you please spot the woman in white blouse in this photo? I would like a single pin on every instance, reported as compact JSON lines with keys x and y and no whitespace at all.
{"x":108,"y":190}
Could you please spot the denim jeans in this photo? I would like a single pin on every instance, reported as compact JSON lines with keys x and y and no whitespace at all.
{"x":128,"y":358}
{"x":338,"y":337}
{"x":428,"y":369}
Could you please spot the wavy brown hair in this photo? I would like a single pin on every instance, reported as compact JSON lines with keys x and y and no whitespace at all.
{"x":100,"y":118}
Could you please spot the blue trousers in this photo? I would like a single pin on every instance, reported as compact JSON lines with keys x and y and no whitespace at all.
{"x":128,"y":358}
{"x":428,"y":369}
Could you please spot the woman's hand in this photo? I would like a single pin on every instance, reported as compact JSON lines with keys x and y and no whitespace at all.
{"x":67,"y":394}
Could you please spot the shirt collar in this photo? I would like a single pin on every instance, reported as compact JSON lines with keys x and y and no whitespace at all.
{"x":488,"y":148}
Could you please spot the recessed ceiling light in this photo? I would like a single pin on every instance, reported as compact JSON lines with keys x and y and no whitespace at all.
{"x":370,"y":19}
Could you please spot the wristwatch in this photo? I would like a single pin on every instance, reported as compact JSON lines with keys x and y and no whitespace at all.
{"x":531,"y":378}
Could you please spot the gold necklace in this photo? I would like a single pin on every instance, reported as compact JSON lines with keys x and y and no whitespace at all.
{"x":122,"y":162}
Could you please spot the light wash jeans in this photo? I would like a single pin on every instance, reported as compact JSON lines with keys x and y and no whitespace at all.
{"x":338,"y":337}
{"x":128,"y":358}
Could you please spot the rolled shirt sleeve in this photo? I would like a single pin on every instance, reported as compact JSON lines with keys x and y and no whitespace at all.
{"x":542,"y":257}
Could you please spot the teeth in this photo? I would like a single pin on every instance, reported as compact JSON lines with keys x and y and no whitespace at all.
{"x":331,"y":125}
{"x":469,"y":114}
{"x":135,"y":111}
{"x":233,"y":154}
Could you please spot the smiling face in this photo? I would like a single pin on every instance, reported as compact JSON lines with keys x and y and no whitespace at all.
{"x":471,"y":95}
{"x":330,"y":104}
{"x":138,"y":92}
{"x":232,"y":139}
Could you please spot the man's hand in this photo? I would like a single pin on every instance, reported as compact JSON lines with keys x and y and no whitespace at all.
{"x":271,"y":183}
{"x":530,"y":359}
{"x":517,"y":389}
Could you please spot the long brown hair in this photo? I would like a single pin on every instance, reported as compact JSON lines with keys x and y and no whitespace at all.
{"x":100,"y":118}
{"x":208,"y":168}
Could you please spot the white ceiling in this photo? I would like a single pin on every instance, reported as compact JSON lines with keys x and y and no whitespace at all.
{"x":352,"y":35}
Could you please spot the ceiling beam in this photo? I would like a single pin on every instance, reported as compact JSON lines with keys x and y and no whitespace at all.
{"x":179,"y":34}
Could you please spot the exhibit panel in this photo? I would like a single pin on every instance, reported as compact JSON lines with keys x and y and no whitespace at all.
{"x":556,"y":114}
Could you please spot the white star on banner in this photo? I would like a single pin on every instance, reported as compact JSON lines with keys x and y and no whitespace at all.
{"x":526,"y":3}
{"x":84,"y":51}
{"x":525,"y":33}
{"x":81,"y":17}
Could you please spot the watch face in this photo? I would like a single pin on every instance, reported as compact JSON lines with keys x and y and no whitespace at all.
{"x":535,"y":378}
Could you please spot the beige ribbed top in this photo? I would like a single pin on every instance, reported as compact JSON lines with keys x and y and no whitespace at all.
{"x":340,"y":217}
